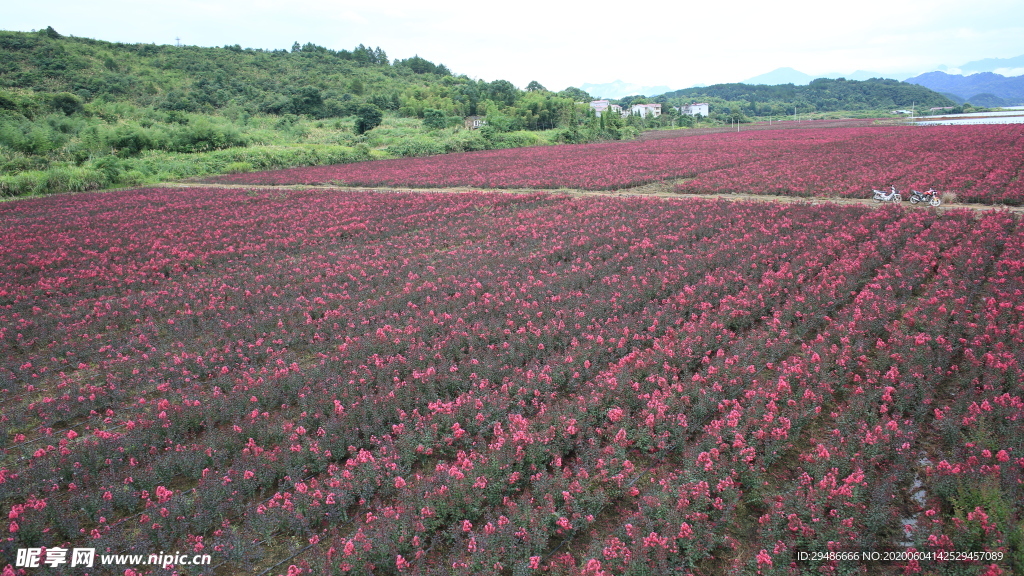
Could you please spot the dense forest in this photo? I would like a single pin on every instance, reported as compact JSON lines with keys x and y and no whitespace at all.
{"x":80,"y":114}
{"x":821,"y":95}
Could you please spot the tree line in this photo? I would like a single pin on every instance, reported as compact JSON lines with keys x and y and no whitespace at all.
{"x":743,"y":101}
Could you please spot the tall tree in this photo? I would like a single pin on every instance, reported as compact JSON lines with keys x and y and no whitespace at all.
{"x":368,"y":117}
{"x":576,"y":94}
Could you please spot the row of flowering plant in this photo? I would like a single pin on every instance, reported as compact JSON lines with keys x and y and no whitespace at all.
{"x":481,"y":382}
{"x":980,"y":163}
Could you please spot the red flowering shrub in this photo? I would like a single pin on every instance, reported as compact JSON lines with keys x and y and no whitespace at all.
{"x":476,"y":383}
{"x":979,"y":163}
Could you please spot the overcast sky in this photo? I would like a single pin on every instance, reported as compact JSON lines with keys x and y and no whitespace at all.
{"x":560,"y":44}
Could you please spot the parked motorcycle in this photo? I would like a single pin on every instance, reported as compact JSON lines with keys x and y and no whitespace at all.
{"x":930,"y":196}
{"x":892,"y":196}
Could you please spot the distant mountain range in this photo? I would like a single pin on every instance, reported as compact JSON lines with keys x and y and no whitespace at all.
{"x":781,"y":76}
{"x":986,"y":82}
{"x":980,"y":89}
{"x":620,"y":89}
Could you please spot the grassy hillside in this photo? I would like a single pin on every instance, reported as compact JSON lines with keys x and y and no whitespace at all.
{"x":78,"y":114}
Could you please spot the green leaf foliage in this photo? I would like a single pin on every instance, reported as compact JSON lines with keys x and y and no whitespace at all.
{"x":368,"y":117}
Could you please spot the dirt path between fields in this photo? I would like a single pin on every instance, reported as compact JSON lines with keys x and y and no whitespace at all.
{"x":656,"y":190}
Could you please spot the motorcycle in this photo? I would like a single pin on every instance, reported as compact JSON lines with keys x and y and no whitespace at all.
{"x":931,"y":196}
{"x":892,"y":196}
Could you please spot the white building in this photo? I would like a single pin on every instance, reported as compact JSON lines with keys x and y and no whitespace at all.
{"x":644,"y":109}
{"x":694,"y":109}
{"x":474,"y":122}
{"x":599,"y":106}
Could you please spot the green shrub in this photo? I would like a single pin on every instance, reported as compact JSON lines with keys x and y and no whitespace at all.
{"x":56,"y":179}
{"x":130,"y":140}
{"x":203,"y":135}
{"x":67,"y":103}
{"x":465,"y":142}
{"x":24,"y":183}
{"x":132,"y":178}
{"x":74,"y":179}
{"x":433,"y":118}
{"x":30,"y":138}
{"x":517,"y":139}
{"x":238,"y":167}
{"x":417,"y":146}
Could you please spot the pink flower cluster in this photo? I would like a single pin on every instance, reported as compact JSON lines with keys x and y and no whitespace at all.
{"x":480,"y":382}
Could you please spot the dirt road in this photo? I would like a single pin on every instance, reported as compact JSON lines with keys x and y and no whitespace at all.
{"x":656,"y":190}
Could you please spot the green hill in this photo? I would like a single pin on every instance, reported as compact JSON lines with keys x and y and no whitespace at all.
{"x":308,"y":79}
{"x":823,"y":95}
{"x":78,"y":113}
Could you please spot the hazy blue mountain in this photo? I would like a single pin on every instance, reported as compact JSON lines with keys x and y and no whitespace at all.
{"x":978,"y":89}
{"x":619,"y":89}
{"x":981,"y":79}
{"x":781,"y":76}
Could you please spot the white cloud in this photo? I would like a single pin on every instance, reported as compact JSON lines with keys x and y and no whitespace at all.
{"x":1010,"y":71}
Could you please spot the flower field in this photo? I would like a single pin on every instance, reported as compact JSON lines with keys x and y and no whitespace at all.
{"x":980,"y":164}
{"x":311,"y":382}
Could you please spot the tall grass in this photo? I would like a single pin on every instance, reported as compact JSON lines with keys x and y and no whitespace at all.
{"x":58,"y":179}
